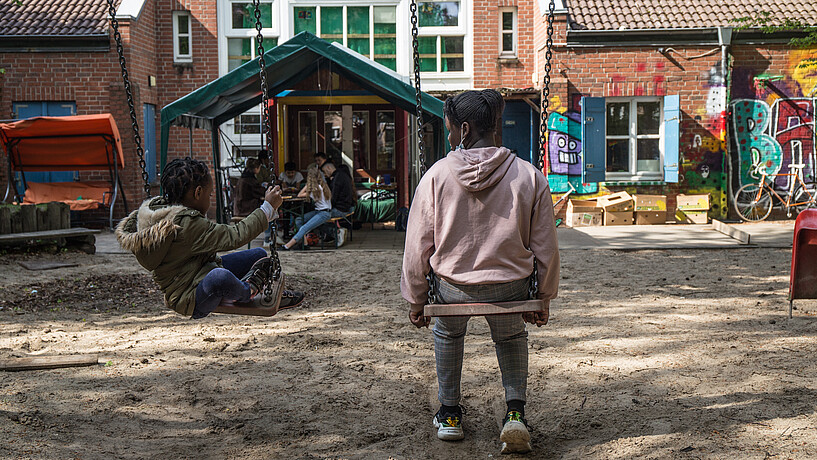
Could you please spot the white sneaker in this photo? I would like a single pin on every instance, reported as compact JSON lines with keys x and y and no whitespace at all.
{"x":449,"y":426}
{"x":515,"y":437}
{"x":341,"y":237}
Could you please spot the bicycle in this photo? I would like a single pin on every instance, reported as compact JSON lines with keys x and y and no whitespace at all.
{"x":753,"y":202}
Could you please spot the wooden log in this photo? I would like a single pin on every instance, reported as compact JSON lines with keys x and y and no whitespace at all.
{"x":53,"y":210}
{"x":16,"y":221}
{"x":48,"y":235}
{"x":42,"y":217}
{"x":28,"y":216}
{"x":482,"y":309}
{"x":65,"y":216}
{"x":5,"y":220}
{"x":48,"y":362}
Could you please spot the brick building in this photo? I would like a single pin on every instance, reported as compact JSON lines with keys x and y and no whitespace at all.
{"x":746,"y":99}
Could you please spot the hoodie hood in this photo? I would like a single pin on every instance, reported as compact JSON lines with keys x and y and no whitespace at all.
{"x":148,"y":231}
{"x":479,"y":169}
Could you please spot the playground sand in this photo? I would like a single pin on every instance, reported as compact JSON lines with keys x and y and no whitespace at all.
{"x":649,"y":354}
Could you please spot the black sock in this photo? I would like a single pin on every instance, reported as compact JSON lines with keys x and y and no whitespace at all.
{"x":451,"y":409}
{"x":516,"y":405}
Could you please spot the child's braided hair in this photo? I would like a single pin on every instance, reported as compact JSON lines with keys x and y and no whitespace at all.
{"x":180,"y":175}
{"x":481,"y":109}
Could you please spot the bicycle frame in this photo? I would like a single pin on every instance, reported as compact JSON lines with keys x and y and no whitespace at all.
{"x":790,"y":195}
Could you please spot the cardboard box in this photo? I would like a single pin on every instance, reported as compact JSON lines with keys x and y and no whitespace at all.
{"x":692,"y":202}
{"x":650,"y":217}
{"x":618,"y":218}
{"x":650,"y":202}
{"x":583,"y":213}
{"x":692,"y":217}
{"x":617,"y":202}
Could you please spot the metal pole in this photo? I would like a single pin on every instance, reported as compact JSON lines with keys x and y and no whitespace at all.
{"x":190,"y":138}
{"x":217,"y":169}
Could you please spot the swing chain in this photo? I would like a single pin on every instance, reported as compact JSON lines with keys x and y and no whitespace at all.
{"x":137,"y":138}
{"x":275,"y":267}
{"x":543,"y":126}
{"x":418,"y":93}
{"x":533,"y":286}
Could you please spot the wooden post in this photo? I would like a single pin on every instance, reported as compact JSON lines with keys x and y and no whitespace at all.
{"x":53,"y":215}
{"x":5,"y":219}
{"x":42,"y":217}
{"x":16,"y":221}
{"x":48,"y":362}
{"x":65,"y":216}
{"x":28,"y":216}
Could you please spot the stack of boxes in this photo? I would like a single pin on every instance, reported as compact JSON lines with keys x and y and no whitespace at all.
{"x":692,"y":209}
{"x":618,"y":208}
{"x":583,"y":213}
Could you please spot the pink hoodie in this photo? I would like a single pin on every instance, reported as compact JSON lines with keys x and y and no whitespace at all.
{"x":479,"y":216}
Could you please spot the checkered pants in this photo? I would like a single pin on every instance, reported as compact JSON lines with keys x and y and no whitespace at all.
{"x":507,"y":331}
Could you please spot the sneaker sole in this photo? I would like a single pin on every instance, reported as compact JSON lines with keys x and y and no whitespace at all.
{"x":295,"y":305}
{"x":515,"y":438}
{"x":448,"y":433}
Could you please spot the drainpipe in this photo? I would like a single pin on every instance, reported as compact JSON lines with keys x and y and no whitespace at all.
{"x":725,"y":41}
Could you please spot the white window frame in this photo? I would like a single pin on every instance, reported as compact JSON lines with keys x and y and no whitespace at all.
{"x":460,"y":30}
{"x":633,"y":136}
{"x":271,"y":32}
{"x":177,"y":56}
{"x":514,"y":31}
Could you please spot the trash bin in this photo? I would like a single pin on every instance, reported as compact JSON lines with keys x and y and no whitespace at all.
{"x":803,"y":281}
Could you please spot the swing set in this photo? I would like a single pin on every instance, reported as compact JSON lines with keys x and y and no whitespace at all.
{"x":270,"y":300}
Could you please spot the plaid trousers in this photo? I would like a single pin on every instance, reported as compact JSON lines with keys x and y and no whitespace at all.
{"x":507,"y":331}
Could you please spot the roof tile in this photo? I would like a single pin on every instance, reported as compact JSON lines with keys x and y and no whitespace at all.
{"x":54,"y":17}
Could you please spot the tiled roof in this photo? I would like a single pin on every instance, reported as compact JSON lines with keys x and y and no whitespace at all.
{"x":70,"y":18}
{"x":680,"y":14}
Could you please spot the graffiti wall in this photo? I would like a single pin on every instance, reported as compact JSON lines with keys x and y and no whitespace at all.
{"x":774,"y":124}
{"x":564,"y":153}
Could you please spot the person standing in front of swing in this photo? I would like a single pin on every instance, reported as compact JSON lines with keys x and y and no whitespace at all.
{"x":479,"y":219}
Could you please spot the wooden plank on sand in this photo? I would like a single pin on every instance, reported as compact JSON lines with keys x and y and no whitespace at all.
{"x":34,"y":363}
{"x":731,"y":231}
{"x":482,"y":309}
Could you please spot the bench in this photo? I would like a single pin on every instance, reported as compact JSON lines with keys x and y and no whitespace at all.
{"x":334,"y":223}
{"x":84,"y":236}
{"x":79,"y":196}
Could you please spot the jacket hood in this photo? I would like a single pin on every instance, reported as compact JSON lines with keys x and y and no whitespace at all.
{"x":148,"y":231}
{"x":479,"y":169}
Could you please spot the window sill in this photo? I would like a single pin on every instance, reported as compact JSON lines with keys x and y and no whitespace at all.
{"x":183,"y":64}
{"x":508,"y":59}
{"x":633,"y":181}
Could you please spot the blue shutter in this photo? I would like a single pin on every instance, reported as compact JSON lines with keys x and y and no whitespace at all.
{"x":594,"y":148}
{"x":672,"y":133}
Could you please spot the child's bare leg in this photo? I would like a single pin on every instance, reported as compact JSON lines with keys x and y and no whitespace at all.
{"x":449,"y":341}
{"x":511,"y":342}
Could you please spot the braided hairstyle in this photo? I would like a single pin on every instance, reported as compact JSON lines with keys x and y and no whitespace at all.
{"x":182,"y":174}
{"x":481,"y":109}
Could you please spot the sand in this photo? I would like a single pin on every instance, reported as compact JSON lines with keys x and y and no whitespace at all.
{"x":649,"y":354}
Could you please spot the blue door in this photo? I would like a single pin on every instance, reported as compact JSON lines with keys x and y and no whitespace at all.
{"x":149,"y":139}
{"x":45,"y":109}
{"x":517,"y":128}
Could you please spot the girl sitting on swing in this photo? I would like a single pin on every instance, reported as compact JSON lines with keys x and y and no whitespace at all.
{"x":479,"y":220}
{"x":172,"y":237}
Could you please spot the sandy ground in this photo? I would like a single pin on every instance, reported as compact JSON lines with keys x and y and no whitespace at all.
{"x":649,"y":354}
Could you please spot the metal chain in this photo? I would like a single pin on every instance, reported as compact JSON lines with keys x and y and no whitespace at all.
{"x":275,"y":267}
{"x":137,"y":138}
{"x":543,"y":127}
{"x":432,"y":293}
{"x":533,"y":285}
{"x":415,"y":43}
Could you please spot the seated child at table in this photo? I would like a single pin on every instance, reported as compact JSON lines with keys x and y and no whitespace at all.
{"x":291,"y":178}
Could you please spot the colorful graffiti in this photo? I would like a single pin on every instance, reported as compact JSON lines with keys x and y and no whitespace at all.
{"x":776,"y":138}
{"x":565,"y":153}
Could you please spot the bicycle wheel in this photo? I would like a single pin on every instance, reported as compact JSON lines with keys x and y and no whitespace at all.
{"x":802,"y":196}
{"x":751,"y":208}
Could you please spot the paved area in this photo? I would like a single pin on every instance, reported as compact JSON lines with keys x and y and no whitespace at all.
{"x":776,"y":234}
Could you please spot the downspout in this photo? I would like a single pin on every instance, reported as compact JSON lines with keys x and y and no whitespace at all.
{"x":725,"y":41}
{"x":221,"y":218}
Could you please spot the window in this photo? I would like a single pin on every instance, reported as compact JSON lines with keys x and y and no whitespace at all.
{"x":241,"y":50}
{"x":633,"y":136}
{"x":247,"y":124}
{"x":385,"y":139}
{"x":368,"y":30}
{"x":630,"y":139}
{"x":442,"y":36}
{"x":508,"y":31}
{"x":182,"y":46}
{"x":240,"y":32}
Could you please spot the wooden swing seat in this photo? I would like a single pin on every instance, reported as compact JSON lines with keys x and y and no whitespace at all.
{"x":253,"y":308}
{"x":484,"y":308}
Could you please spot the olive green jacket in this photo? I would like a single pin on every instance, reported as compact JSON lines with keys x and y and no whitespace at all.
{"x":179,"y":245}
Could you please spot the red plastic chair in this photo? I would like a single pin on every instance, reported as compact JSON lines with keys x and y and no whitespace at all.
{"x":803,"y":281}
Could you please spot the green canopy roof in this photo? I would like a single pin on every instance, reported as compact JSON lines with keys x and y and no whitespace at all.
{"x":287,"y":64}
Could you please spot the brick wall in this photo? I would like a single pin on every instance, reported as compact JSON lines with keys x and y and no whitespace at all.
{"x":489,"y":70}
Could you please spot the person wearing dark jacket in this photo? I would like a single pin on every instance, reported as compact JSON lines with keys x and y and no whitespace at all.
{"x":250,"y":193}
{"x":343,"y":190}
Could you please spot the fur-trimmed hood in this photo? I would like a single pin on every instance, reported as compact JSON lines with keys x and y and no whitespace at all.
{"x":148,"y":231}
